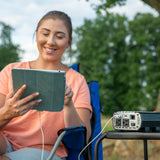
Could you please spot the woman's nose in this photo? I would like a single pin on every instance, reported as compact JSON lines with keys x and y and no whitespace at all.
{"x":51,"y":40}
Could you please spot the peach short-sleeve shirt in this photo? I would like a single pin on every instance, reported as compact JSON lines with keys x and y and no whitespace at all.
{"x":24,"y":131}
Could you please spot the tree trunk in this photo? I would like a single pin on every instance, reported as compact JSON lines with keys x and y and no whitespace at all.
{"x":154,"y":4}
{"x":158,"y":103}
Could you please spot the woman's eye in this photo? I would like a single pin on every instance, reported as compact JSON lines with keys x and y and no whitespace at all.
{"x":45,"y":34}
{"x":60,"y":37}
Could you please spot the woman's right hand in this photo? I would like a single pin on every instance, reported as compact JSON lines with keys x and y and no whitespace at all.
{"x":14,"y":106}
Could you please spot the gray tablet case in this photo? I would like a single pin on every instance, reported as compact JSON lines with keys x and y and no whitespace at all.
{"x":50,"y":84}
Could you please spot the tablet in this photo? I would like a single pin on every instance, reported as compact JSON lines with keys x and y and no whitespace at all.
{"x":50,"y":84}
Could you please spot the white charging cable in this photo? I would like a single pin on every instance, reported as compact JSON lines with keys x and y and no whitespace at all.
{"x":94,"y":138}
{"x":42,"y":154}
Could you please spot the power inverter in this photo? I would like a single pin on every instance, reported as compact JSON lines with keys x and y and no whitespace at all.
{"x":136,"y":121}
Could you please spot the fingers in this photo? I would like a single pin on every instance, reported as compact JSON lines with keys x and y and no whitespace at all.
{"x":16,"y":106}
{"x":22,"y":106}
{"x":25,"y":108}
{"x":19,"y":93}
{"x":28,"y":98}
{"x":68,"y":95}
{"x":9,"y":95}
{"x":68,"y":91}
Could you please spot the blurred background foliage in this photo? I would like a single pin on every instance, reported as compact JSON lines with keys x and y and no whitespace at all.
{"x":123,"y":56}
{"x":9,"y":52}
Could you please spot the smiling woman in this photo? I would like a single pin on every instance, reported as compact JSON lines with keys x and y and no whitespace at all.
{"x":20,"y":130}
{"x":53,"y":36}
{"x":52,"y":40}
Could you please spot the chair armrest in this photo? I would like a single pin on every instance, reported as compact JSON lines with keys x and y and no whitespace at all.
{"x":74,"y":140}
{"x":73,"y":136}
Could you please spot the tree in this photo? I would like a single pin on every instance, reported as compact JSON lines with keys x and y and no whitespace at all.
{"x":145,"y":42}
{"x":155,"y":4}
{"x":9,"y":52}
{"x":100,"y":44}
{"x":122,"y":56}
{"x":105,"y":4}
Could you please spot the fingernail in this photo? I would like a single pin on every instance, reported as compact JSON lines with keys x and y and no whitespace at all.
{"x":39,"y":100}
{"x":24,"y":86}
{"x":37,"y":93}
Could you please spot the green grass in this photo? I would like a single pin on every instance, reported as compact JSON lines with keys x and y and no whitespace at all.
{"x":104,"y":121}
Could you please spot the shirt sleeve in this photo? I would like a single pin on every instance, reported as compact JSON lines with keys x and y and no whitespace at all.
{"x":82,"y":96}
{"x":4,"y":80}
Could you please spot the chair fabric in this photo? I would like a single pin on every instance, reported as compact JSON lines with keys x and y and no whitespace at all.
{"x":96,"y":118}
{"x":75,"y":140}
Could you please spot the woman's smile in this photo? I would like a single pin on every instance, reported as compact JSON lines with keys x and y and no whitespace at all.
{"x":50,"y":50}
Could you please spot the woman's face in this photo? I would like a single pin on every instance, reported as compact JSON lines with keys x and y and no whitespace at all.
{"x":52,"y":39}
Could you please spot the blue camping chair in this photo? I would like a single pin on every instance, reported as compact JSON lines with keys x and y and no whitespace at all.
{"x":74,"y":138}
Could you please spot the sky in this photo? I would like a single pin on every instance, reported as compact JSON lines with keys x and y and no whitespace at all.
{"x":23,"y":16}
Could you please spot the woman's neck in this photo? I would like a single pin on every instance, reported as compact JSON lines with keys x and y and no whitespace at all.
{"x":48,"y":65}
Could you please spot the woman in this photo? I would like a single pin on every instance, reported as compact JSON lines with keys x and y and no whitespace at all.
{"x":19,"y":124}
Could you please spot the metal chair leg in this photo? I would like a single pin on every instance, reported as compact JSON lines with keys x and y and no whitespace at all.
{"x":96,"y":149}
{"x":145,"y":149}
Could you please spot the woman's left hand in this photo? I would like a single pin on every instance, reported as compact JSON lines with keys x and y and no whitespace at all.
{"x":73,"y":116}
{"x":68,"y":95}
